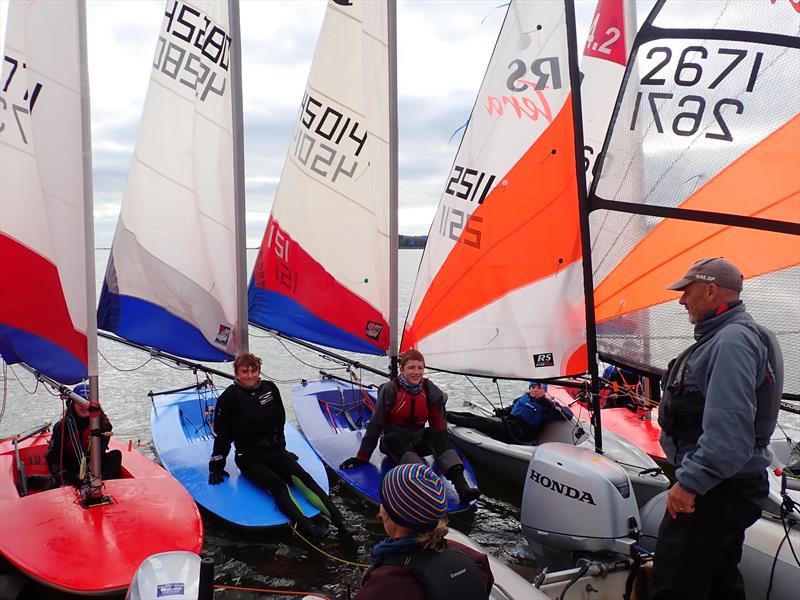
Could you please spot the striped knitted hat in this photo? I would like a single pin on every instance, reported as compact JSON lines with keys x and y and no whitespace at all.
{"x":414,"y":496}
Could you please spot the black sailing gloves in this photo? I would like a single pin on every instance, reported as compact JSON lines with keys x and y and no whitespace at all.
{"x":216,"y":470}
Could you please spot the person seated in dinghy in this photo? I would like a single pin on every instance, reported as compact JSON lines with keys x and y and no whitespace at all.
{"x":68,"y":453}
{"x":416,"y":561}
{"x":250,"y":414}
{"x":620,"y":388}
{"x":405,"y":405}
{"x":520,"y":423}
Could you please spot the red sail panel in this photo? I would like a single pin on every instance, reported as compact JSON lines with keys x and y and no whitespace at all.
{"x":539,"y":194}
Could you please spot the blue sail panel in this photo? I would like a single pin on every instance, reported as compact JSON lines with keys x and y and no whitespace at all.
{"x":41,"y":354}
{"x":148,"y":324}
{"x":276,"y":311}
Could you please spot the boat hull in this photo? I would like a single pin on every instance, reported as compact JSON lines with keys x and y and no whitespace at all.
{"x":333,"y":417}
{"x":184,"y":441}
{"x":92,"y":551}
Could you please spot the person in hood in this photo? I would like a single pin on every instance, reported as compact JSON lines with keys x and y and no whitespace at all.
{"x":68,"y":453}
{"x":416,"y":561}
{"x":250,"y":414}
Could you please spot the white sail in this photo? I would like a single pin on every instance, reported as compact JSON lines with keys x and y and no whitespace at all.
{"x":323,"y":271}
{"x":499,"y":291}
{"x":171,"y":279}
{"x":43,"y":236}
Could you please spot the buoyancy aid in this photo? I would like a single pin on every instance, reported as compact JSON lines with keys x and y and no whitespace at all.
{"x":408,"y":409}
{"x":680,"y":412}
{"x":451,"y":573}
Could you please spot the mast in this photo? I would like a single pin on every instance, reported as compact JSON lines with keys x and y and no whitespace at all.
{"x":96,"y":480}
{"x":583,"y":203}
{"x":240,"y":225}
{"x":391,"y":9}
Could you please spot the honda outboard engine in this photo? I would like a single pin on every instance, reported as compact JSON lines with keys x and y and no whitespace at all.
{"x":577,"y":501}
{"x":175,"y":575}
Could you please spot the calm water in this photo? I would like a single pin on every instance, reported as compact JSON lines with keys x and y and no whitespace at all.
{"x":274,"y":559}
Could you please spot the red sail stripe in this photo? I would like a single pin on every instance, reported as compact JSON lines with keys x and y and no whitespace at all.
{"x":539,"y":194}
{"x":31,"y":298}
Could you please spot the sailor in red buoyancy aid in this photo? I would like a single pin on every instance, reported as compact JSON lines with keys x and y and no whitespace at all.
{"x":404,"y":407}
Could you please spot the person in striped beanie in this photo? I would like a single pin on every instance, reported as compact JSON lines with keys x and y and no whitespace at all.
{"x":416,"y":561}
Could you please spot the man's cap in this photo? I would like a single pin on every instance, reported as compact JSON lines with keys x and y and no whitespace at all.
{"x":533,"y":382}
{"x":414,"y":496}
{"x":720,"y":271}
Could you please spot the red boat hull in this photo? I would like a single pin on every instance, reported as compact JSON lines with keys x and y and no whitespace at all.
{"x":53,"y":539}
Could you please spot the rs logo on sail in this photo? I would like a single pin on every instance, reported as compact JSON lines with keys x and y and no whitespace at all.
{"x":562,"y":488}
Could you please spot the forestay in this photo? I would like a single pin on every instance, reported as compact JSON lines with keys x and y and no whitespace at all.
{"x":499,"y":290}
{"x":705,"y":149}
{"x":43,"y":289}
{"x":171,"y":277}
{"x":322,"y":273}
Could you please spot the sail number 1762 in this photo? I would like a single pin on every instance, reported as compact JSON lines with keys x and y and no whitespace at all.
{"x":690,"y":71}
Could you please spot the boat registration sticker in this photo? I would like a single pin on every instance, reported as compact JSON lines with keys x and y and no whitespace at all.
{"x":169,"y":589}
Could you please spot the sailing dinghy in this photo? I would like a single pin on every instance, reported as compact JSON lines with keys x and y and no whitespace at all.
{"x":326,"y":271}
{"x":701,"y":159}
{"x":176,"y":277}
{"x":81,"y":542}
{"x":500,"y":290}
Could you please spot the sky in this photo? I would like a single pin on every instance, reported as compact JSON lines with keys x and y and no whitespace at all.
{"x":443,"y":49}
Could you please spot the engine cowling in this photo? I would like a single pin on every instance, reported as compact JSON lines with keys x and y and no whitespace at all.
{"x":577,"y":500}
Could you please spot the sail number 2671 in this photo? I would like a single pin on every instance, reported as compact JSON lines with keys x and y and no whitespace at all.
{"x":689,"y":71}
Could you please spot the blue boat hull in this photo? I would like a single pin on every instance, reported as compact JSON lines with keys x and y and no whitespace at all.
{"x":183,"y":439}
{"x":333,"y":416}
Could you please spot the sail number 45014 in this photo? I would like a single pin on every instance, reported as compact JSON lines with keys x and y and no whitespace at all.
{"x":689,"y":71}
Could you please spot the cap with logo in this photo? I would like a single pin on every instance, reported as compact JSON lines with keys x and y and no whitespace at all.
{"x":711,"y":270}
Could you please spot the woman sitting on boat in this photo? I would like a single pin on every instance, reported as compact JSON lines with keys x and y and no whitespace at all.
{"x":416,"y":561}
{"x":404,"y":407}
{"x":68,"y":454}
{"x":250,"y":413}
{"x":520,"y":423}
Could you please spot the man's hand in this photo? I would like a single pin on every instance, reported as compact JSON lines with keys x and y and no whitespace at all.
{"x":679,"y":500}
{"x":351,"y":463}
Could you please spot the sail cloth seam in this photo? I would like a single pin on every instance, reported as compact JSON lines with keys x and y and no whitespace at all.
{"x":360,"y":22}
{"x":300,"y":166}
{"x":420,"y":318}
{"x":652,"y":33}
{"x":191,"y":102}
{"x":689,"y":214}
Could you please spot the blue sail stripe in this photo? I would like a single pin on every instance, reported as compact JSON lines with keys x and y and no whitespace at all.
{"x":148,"y":324}
{"x":275,"y":311}
{"x":41,"y":354}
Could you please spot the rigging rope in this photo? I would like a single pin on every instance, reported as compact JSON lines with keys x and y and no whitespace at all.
{"x":237,"y":588}
{"x":331,"y":556}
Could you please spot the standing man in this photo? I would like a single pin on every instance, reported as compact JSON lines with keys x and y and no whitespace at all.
{"x":405,"y":405}
{"x":718,"y":410}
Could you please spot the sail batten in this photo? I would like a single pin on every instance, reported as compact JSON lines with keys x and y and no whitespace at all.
{"x":714,"y":111}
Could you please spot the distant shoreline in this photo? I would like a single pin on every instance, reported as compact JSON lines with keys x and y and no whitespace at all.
{"x":405,"y":242}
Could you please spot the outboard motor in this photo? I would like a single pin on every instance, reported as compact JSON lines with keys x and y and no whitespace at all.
{"x":175,"y":575}
{"x":575,"y":500}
